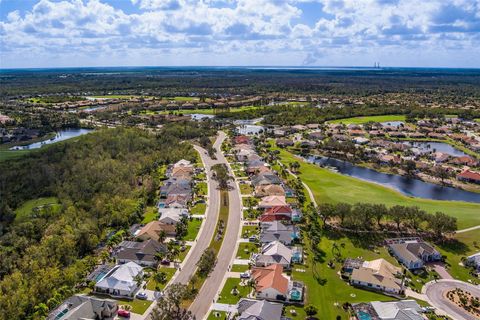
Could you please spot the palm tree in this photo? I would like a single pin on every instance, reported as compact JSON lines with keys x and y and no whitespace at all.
{"x":162,"y":236}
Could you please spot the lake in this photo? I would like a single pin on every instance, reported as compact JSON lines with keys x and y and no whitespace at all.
{"x":407,"y":186}
{"x":437,"y":146}
{"x":60,"y":136}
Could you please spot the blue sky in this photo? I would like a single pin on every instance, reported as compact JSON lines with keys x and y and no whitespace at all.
{"x":412,"y":33}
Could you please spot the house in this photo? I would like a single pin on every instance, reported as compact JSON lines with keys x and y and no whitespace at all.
{"x":152,"y":230}
{"x":474,"y":261}
{"x":172,"y":215}
{"x":277,"y":213}
{"x":250,"y":309}
{"x":259,"y":170}
{"x":360,"y":140}
{"x":276,"y":231}
{"x":183,"y":163}
{"x":253,"y":157}
{"x":120,"y":281}
{"x":83,"y":307}
{"x":241,"y":140}
{"x":464,"y":161}
{"x":265,"y":178}
{"x":412,"y":252}
{"x":175,"y":186}
{"x":272,"y":201}
{"x":273,"y":253}
{"x":392,"y":310}
{"x":271,"y":284}
{"x":255,"y":166}
{"x":469,"y":176}
{"x":243,"y":154}
{"x":269,"y":190}
{"x":317,"y":135}
{"x":282,"y":143}
{"x":142,"y":253}
{"x":177,"y":200}
{"x":440,"y":157}
{"x":378,"y":275}
{"x":182,"y":172}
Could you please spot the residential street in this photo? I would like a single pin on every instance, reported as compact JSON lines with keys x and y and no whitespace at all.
{"x":208,"y":292}
{"x":435,"y":292}
{"x":211,"y":215}
{"x":207,"y":229}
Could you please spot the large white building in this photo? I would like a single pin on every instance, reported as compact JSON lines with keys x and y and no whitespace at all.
{"x":121,"y":280}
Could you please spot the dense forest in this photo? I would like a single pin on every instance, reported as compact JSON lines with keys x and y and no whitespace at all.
{"x":291,"y":115}
{"x":102,"y":183}
{"x":456,"y":84}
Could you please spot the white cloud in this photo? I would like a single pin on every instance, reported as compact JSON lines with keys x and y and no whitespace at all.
{"x":268,"y":30}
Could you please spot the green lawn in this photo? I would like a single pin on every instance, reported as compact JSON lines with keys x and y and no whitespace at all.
{"x":202,"y":188}
{"x":330,"y":288}
{"x":245,"y":201}
{"x":299,"y":313}
{"x":137,"y":305}
{"x":245,"y":249}
{"x":213,"y":315}
{"x":246,"y":188}
{"x":239,"y":173}
{"x":239,"y":268}
{"x":328,"y":186}
{"x":463,"y":248}
{"x":116,"y":96}
{"x":152,"y":284}
{"x":193,"y":227}
{"x":362,"y":120}
{"x":151,"y":213}
{"x":27,"y":207}
{"x":199,"y":208}
{"x":184,"y":253}
{"x":185,"y":99}
{"x":226,"y":295}
{"x":248,"y":231}
{"x":12,"y":154}
{"x":223,"y":215}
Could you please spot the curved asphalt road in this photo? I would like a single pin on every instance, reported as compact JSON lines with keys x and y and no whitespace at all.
{"x":211,"y":216}
{"x":435,"y":292}
{"x":204,"y":299}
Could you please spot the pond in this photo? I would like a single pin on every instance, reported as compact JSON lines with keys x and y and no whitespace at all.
{"x":392,"y":123}
{"x":250,"y":129}
{"x":199,"y":116}
{"x":428,"y":146}
{"x":60,"y":136}
{"x":408,"y":186}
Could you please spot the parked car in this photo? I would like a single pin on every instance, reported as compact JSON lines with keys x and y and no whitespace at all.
{"x":245,"y":275}
{"x":123,"y":313}
{"x":165,"y":262}
{"x":252,"y":239}
{"x":142,"y":296}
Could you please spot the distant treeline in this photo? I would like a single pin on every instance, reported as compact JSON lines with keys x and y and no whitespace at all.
{"x":103,"y":181}
{"x":456,"y":84}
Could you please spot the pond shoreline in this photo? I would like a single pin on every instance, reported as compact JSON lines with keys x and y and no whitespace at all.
{"x":408,"y":186}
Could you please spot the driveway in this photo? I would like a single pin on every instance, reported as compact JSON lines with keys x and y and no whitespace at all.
{"x":208,"y":292}
{"x":435,"y":291}
{"x":439,"y":267}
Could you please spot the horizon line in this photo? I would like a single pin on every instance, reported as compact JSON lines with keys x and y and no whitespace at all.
{"x":238,"y":66}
